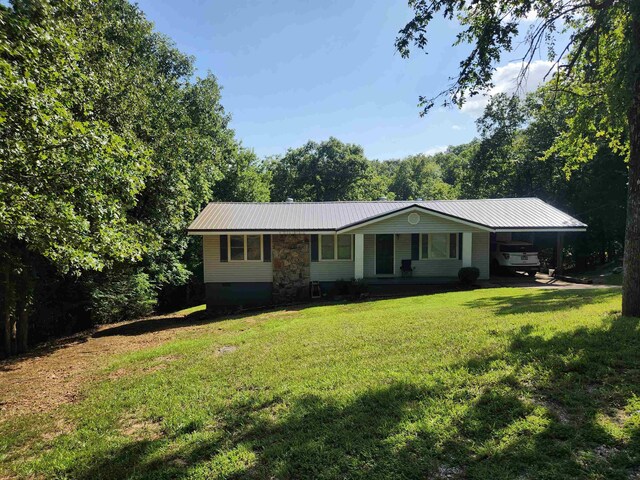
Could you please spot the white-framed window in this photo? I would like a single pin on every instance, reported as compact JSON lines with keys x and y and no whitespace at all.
{"x":245,"y":248}
{"x":336,"y":247}
{"x":439,"y":246}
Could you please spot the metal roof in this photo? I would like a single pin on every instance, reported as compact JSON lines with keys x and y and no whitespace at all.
{"x":492,"y":214}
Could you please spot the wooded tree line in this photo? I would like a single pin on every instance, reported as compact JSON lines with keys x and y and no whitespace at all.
{"x":109,"y":147}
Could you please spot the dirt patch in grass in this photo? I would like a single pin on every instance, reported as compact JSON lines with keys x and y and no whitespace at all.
{"x":60,"y":427}
{"x":141,"y":429}
{"x":53,"y":374}
{"x":226,"y":349}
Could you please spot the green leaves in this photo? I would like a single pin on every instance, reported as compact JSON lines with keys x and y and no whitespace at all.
{"x":108,"y":147}
{"x":326,"y":171}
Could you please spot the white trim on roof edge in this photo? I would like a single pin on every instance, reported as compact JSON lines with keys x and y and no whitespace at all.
{"x":540,"y":229}
{"x":261,"y":232}
{"x":409,"y":209}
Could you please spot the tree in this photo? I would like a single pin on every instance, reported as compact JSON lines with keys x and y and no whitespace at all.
{"x":454,"y":162}
{"x":325,"y":171}
{"x":492,"y":169}
{"x":517,"y":157}
{"x":420,"y":176}
{"x":108,"y":150}
{"x":600,"y":64}
{"x":67,"y":176}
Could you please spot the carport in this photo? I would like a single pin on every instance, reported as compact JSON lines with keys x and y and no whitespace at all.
{"x":548,"y":239}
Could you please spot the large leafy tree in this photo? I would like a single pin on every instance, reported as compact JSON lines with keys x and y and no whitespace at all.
{"x":516,"y":156}
{"x":108,"y":149}
{"x":600,"y":64}
{"x":420,"y":176}
{"x":68,"y":175}
{"x":325,"y":171}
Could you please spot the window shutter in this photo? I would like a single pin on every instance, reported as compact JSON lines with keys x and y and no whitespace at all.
{"x":223,"y":248}
{"x":415,"y":246}
{"x":266,"y":248}
{"x":459,"y":246}
{"x":314,"y":248}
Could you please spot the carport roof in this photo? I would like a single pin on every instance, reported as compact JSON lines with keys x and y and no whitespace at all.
{"x":504,"y":214}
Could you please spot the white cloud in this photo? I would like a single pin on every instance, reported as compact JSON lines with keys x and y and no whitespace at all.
{"x":505,"y":80}
{"x":456,"y":127}
{"x":434,"y":150}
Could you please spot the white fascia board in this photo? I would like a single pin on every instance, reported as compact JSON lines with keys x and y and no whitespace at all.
{"x":262,"y":232}
{"x":541,"y":230}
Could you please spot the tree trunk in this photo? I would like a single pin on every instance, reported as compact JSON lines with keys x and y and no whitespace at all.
{"x":22,"y":328}
{"x":631,"y":282}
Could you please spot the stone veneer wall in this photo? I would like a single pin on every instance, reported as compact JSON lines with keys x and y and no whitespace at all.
{"x":291,"y":256}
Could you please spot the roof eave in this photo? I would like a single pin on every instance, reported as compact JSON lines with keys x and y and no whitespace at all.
{"x":263,"y":231}
{"x":540,"y":229}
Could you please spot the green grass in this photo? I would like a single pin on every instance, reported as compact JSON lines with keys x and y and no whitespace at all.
{"x":494,"y":383}
{"x":603,"y":275}
{"x":189,"y":311}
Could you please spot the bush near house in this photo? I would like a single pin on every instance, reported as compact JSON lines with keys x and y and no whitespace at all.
{"x":468,"y":275}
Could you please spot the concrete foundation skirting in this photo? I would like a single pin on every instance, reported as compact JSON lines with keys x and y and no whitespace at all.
{"x":246,"y":294}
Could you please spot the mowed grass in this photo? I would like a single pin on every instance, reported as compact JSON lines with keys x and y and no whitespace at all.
{"x":495,"y":384}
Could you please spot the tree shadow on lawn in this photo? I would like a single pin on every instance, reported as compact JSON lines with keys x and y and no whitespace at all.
{"x":553,"y":407}
{"x":586,"y":382}
{"x":157,"y":324}
{"x":543,"y":300}
{"x":318,"y":438}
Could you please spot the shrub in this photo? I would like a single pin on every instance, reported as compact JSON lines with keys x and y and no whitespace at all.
{"x":341,"y":287}
{"x":358,"y":287}
{"x":468,"y":275}
{"x":122,"y":296}
{"x":353,"y":288}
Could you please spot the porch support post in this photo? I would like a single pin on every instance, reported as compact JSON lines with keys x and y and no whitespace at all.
{"x":559,"y":248}
{"x":467,"y":244}
{"x":358,"y":272}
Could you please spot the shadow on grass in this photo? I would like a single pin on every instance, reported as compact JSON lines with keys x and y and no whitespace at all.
{"x":156,"y":324}
{"x":319,"y":438}
{"x":535,"y":410}
{"x":543,"y":300}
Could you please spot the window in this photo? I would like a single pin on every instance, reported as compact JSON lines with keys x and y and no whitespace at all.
{"x":245,"y":248}
{"x":439,"y":246}
{"x":453,"y":245}
{"x":327,"y":250}
{"x":254,"y":248}
{"x":344,"y":247}
{"x":236,"y":247}
{"x":336,"y":247}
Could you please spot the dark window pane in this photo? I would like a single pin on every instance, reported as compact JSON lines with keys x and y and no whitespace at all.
{"x":439,"y":245}
{"x":344,"y":247}
{"x":453,"y":245}
{"x":327,"y":243}
{"x":237,"y":247}
{"x":253,"y":247}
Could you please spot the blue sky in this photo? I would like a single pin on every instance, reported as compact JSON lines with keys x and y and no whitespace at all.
{"x":293,"y":71}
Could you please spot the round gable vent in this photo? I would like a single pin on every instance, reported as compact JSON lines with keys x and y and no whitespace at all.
{"x":413,"y":218}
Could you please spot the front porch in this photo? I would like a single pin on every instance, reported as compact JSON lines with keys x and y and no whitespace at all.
{"x":379,"y":255}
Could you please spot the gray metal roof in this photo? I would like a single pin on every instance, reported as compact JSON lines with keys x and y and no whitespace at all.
{"x":493,"y":214}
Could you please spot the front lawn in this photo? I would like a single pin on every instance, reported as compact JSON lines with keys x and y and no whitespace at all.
{"x":492,"y":383}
